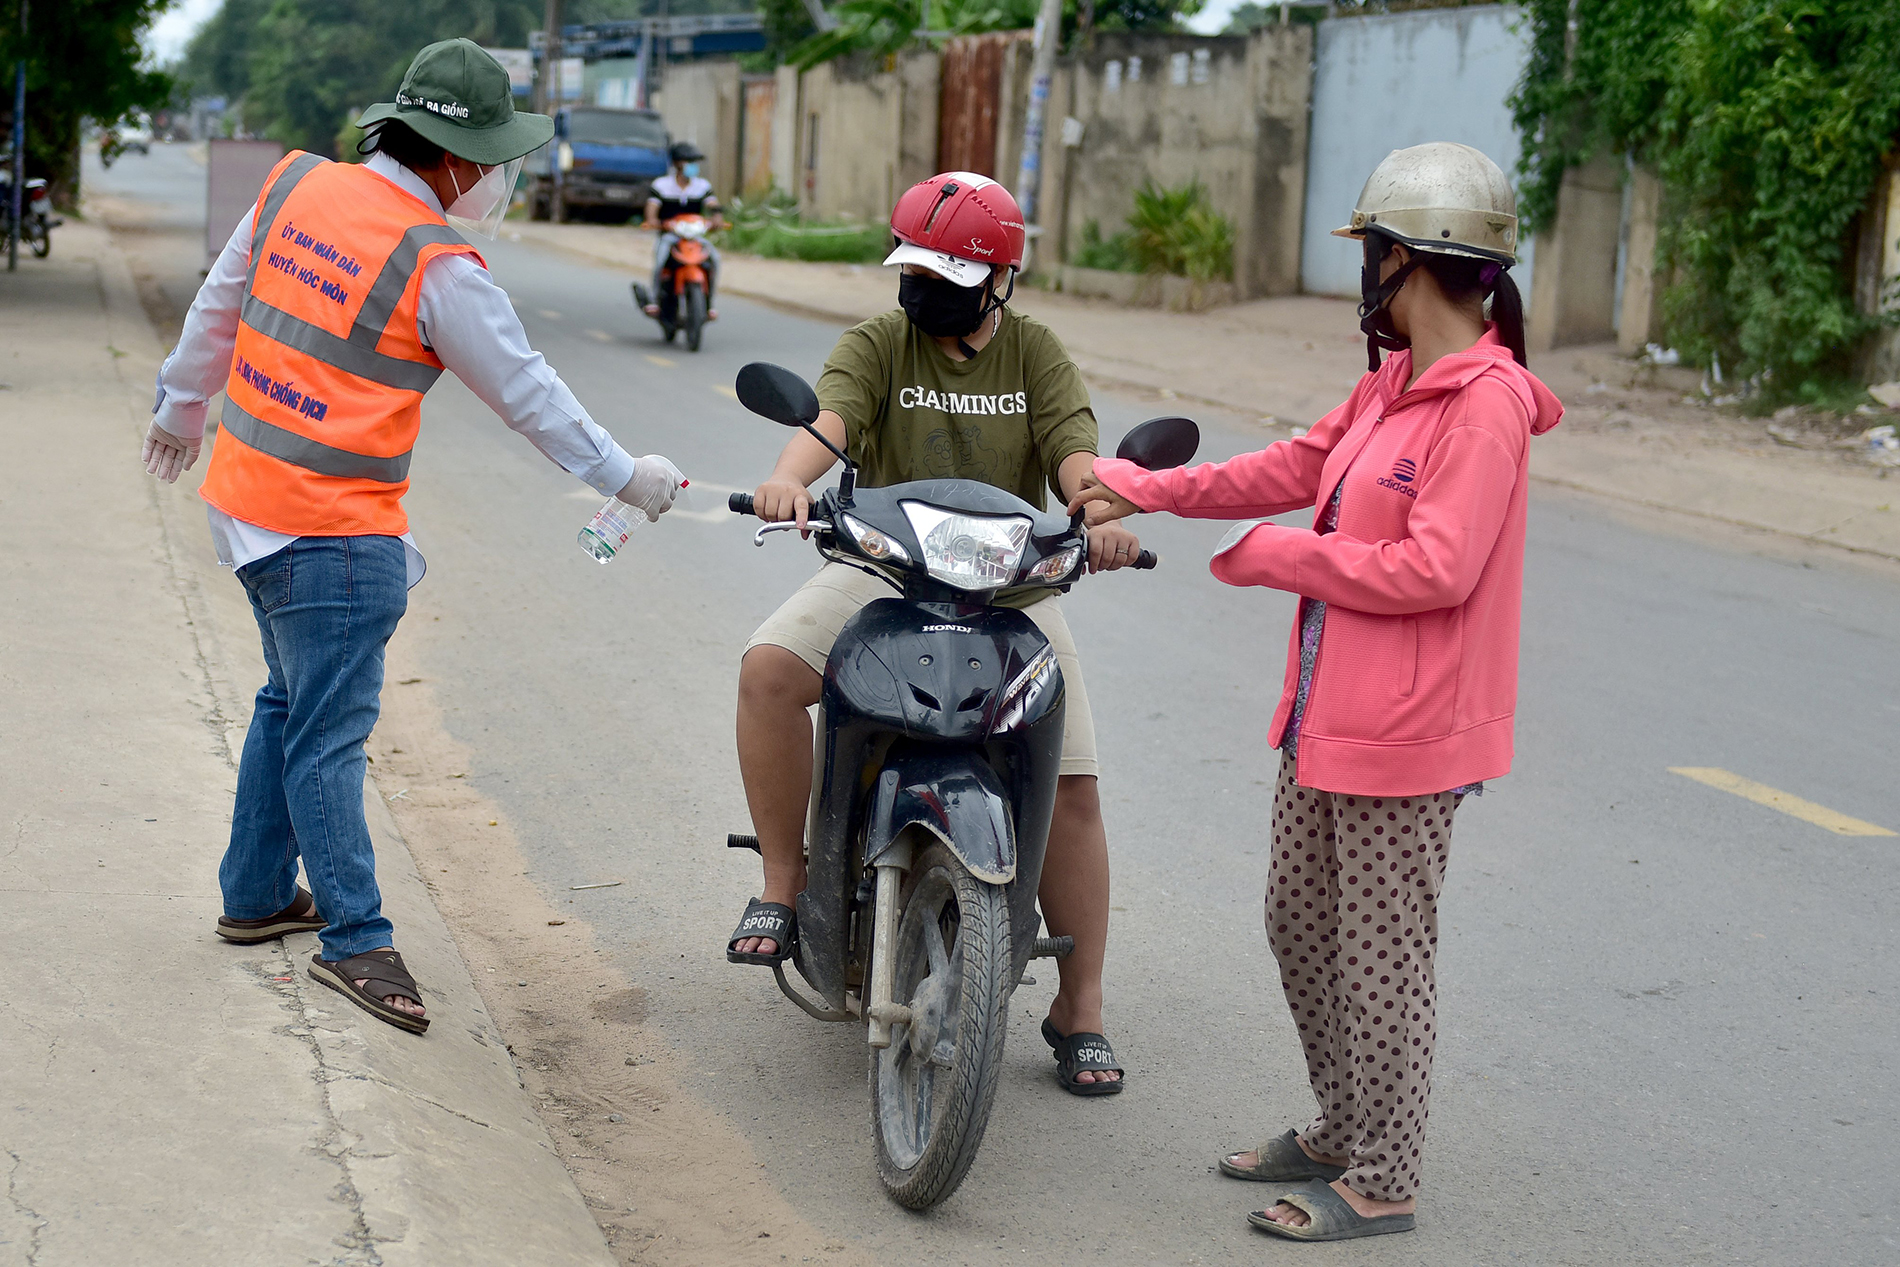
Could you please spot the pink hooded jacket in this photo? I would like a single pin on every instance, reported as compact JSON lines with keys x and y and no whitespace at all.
{"x":1416,"y":682}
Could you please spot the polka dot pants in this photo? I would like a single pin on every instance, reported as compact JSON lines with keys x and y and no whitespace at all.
{"x":1352,"y":912}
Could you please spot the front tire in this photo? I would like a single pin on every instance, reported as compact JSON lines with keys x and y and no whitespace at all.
{"x":932,"y":1088}
{"x":695,"y":301}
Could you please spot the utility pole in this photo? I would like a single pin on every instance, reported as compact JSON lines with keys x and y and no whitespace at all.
{"x":1042,"y":69}
{"x":19,"y":147}
{"x":551,"y":81}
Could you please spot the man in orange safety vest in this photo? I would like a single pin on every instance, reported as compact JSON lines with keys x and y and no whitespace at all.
{"x":331,"y":311}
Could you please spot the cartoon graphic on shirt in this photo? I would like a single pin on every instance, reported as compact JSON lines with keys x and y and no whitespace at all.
{"x":959,"y":452}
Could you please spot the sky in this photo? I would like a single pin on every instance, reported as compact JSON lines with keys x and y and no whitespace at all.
{"x":166,"y":40}
{"x":1212,"y":17}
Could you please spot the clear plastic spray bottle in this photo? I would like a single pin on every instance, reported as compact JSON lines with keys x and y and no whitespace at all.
{"x":607,"y":532}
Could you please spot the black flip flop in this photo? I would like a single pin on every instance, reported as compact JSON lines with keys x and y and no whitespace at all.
{"x":764,"y":919}
{"x":246,"y":932}
{"x":1281,"y":1160}
{"x":1080,"y":1052}
{"x":1332,"y":1217}
{"x":384,"y":975}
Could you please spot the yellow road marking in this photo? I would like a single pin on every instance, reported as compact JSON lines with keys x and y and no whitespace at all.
{"x":661,"y":361}
{"x":602,"y":335}
{"x":726,"y":391}
{"x":549,"y":313}
{"x":1760,"y":793}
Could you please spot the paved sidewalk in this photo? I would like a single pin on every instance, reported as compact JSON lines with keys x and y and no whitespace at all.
{"x":1285,"y":362}
{"x":171,"y":1099}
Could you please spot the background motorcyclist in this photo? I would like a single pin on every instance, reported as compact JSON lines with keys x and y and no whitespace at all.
{"x":953,"y":385}
{"x":681,"y":192}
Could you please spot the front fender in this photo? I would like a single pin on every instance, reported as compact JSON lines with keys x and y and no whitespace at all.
{"x":956,"y":797}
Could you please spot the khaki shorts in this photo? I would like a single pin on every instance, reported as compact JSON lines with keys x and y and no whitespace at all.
{"x":810,"y":620}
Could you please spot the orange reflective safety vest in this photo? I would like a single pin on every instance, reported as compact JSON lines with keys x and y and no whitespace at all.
{"x":325,"y":395}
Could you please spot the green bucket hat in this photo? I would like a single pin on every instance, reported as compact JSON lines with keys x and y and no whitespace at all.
{"x":459,"y":97}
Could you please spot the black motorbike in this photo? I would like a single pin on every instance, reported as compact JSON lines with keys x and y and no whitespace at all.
{"x":37,"y":220}
{"x":939,"y":742}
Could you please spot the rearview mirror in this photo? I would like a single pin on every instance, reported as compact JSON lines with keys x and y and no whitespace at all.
{"x":1159,"y":443}
{"x":771,"y":391}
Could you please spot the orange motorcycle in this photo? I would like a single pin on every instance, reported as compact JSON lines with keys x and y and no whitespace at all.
{"x":685,"y":281}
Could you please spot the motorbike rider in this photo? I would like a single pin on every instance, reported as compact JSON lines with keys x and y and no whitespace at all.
{"x":1401,"y":675}
{"x":952,"y":384}
{"x":681,"y":192}
{"x":312,"y":459}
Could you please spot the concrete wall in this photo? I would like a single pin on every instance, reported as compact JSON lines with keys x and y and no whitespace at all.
{"x":1386,"y":81}
{"x":1877,"y":275}
{"x":1229,"y":111}
{"x":1637,"y":319}
{"x":917,"y":131}
{"x":786,"y":121}
{"x":1573,"y":298}
{"x":860,"y":136}
{"x":701,"y":102}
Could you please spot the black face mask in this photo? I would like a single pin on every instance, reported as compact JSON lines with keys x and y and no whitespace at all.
{"x":1375,"y":299}
{"x":939,"y":307}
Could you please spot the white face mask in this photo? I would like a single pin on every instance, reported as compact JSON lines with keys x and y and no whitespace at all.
{"x":481,"y":206}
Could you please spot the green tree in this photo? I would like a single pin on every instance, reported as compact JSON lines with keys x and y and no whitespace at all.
{"x":1767,"y":121}
{"x":881,"y":28}
{"x":82,"y":59}
{"x":298,"y":69}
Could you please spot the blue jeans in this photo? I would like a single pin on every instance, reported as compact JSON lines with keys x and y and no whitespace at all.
{"x":325,"y":607}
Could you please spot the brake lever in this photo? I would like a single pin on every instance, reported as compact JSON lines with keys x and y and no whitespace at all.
{"x":789,"y":525}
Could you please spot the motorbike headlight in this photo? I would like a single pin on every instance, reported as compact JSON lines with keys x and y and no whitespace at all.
{"x":875,"y":544}
{"x":1056,"y":566}
{"x":971,"y":552}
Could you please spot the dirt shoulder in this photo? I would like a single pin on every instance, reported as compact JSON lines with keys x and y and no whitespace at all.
{"x":445,"y":1148}
{"x":669,"y":1180}
{"x":1629,"y":433}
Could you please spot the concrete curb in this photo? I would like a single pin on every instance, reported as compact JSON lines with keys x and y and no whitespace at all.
{"x":432,"y":1152}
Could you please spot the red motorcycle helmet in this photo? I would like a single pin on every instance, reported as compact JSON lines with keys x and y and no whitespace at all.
{"x":958,"y":224}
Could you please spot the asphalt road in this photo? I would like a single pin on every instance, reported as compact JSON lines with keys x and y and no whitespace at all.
{"x":1669,"y":1013}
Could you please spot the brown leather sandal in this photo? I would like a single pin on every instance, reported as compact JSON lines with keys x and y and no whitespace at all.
{"x":383,"y":975}
{"x":247,"y":932}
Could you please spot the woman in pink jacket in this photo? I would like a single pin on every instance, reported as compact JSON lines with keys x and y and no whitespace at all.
{"x":1401,"y":676}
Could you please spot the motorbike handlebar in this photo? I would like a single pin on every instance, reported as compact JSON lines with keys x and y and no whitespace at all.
{"x":741,"y":504}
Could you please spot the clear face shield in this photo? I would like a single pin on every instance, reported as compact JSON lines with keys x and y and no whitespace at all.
{"x":479,"y":208}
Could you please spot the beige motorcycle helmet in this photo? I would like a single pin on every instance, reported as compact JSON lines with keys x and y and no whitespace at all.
{"x":1442,"y":199}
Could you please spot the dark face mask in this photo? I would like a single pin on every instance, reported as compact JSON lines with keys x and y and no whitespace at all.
{"x":1375,"y":299}
{"x":939,"y":307}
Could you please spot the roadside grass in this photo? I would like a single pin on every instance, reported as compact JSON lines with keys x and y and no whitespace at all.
{"x":1170,"y":231}
{"x":1109,"y":253}
{"x":1178,"y":231}
{"x":772,"y":227}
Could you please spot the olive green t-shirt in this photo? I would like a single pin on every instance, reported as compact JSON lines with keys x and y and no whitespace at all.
{"x":1008,"y":418}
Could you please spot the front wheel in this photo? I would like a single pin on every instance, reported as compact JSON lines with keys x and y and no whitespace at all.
{"x":694,"y":301}
{"x":932,"y":1088}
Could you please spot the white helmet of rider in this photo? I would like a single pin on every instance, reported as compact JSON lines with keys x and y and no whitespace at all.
{"x":1441,"y":197}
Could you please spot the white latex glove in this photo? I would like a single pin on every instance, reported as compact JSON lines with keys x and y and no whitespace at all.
{"x":167,"y":456}
{"x":655,"y":483}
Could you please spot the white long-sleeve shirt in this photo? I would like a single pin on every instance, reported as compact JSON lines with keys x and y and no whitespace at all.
{"x":461,"y":315}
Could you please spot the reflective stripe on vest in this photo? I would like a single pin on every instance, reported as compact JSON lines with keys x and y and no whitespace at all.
{"x":344,"y":354}
{"x":288,"y":446}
